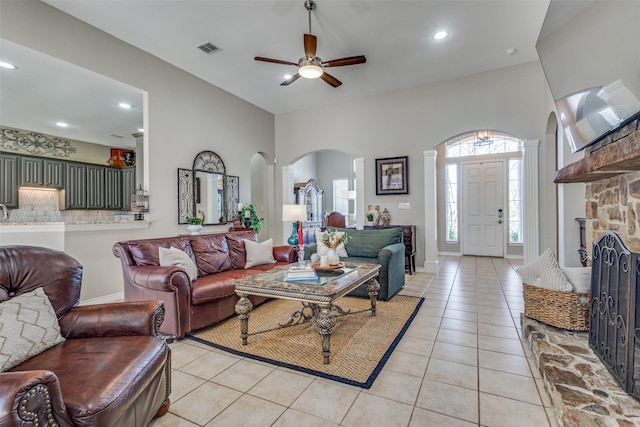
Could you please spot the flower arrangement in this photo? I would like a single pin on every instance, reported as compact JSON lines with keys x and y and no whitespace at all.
{"x":332,"y":238}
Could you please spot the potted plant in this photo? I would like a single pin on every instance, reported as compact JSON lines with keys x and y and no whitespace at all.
{"x":250,"y":218}
{"x":194,"y":224}
{"x":370,"y":219}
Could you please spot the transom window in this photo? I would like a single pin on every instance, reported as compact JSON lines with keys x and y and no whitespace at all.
{"x":481,"y":143}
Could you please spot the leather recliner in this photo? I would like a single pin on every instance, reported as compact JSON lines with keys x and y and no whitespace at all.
{"x":112,"y":369}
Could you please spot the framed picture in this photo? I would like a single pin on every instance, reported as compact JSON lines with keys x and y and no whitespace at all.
{"x":392,"y":175}
{"x":129,"y":156}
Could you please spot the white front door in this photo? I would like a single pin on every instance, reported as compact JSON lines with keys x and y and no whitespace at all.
{"x":482,"y":208}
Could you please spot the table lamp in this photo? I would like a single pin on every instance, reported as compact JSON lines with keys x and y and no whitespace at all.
{"x":297,"y":214}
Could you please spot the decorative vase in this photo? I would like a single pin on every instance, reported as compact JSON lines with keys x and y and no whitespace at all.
{"x":385,"y":217}
{"x":194,"y":228}
{"x":293,"y":239}
{"x":332,"y":256}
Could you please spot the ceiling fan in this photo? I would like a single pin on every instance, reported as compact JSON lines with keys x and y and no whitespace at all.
{"x":311,"y":66}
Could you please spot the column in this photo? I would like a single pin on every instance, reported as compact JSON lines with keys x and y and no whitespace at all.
{"x":430,"y":213}
{"x":530,"y":213}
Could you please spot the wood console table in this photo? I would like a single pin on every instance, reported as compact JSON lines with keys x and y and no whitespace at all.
{"x":409,"y":236}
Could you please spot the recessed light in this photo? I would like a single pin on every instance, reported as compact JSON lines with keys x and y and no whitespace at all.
{"x":440,"y":35}
{"x":62,"y":124}
{"x":8,"y":66}
{"x":140,"y":130}
{"x":287,"y":76}
{"x":124,"y":105}
{"x":511,"y":51}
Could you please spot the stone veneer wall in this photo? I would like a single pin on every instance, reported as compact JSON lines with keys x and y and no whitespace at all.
{"x":614,"y":204}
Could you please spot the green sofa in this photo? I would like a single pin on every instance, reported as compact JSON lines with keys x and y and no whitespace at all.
{"x":384,"y":247}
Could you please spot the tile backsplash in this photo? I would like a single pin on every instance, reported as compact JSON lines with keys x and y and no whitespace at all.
{"x":41,"y":205}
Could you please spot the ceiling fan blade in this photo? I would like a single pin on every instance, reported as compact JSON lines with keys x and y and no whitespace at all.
{"x":330,"y":79}
{"x":275,"y":61}
{"x":290,"y":80}
{"x":310,"y":44}
{"x":351,"y":60}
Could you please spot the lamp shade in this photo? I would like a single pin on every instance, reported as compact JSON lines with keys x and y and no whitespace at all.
{"x":294,"y":213}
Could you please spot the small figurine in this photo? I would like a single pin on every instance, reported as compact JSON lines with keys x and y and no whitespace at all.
{"x":385,"y":216}
{"x":376,"y":216}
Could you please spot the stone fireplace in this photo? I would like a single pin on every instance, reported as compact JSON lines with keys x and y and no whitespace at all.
{"x":573,"y":365}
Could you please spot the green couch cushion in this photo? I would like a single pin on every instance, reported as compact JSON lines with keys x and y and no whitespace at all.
{"x":367,"y":243}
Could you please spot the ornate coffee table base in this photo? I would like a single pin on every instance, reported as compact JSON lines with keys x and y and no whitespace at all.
{"x":325,"y":320}
{"x":243,"y":308}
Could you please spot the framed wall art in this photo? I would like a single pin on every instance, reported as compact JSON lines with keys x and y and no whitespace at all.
{"x":392,"y":175}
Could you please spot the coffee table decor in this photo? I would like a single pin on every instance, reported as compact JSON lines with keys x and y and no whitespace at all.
{"x":360,"y":344}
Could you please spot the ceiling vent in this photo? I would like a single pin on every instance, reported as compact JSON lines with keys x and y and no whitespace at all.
{"x":208,"y":48}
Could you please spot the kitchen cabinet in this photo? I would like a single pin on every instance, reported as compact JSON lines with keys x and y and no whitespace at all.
{"x":38,"y":172}
{"x":75,"y":186}
{"x":95,"y":187}
{"x":128,"y":187}
{"x":9,"y":178}
{"x":53,"y":171}
{"x":112,"y":188}
{"x":31,"y":171}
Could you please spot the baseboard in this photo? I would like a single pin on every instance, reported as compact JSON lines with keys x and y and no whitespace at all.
{"x":118,"y":297}
{"x":514,"y":256}
{"x":449,"y":254}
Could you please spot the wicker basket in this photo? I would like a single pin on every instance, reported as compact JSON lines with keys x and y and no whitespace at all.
{"x":566,"y":310}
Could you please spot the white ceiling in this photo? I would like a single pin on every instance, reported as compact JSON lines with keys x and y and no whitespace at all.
{"x":395,"y":36}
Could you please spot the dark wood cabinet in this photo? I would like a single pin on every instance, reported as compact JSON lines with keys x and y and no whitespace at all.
{"x":409,"y":237}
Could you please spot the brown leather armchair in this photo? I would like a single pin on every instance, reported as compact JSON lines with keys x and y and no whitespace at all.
{"x":111,"y":370}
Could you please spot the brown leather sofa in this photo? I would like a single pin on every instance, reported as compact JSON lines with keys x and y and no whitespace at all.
{"x":111,"y":370}
{"x":210,"y":298}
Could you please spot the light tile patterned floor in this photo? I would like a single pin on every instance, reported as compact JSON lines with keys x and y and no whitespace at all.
{"x":461,"y":363}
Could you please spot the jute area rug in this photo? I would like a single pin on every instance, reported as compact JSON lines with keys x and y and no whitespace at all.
{"x":360,"y":344}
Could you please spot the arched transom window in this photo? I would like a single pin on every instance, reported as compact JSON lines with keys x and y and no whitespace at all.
{"x":481,"y":143}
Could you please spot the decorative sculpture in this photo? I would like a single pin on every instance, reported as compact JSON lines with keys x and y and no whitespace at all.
{"x":385,"y":217}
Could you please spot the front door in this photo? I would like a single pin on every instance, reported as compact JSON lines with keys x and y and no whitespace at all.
{"x":482,"y":207}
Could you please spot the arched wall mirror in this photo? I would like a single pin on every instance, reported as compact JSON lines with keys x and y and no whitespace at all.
{"x":206,"y":191}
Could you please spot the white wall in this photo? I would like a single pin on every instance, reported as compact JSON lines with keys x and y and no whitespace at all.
{"x":405,"y":123}
{"x":185,"y":115}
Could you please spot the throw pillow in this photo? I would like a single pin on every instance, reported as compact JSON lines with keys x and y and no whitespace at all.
{"x":259,"y":253}
{"x":174,"y":257}
{"x":28,"y":326}
{"x":322,"y":248}
{"x":545,"y":273}
{"x":579,"y":277}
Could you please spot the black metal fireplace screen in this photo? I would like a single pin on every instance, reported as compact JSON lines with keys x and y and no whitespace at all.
{"x":614,"y":326}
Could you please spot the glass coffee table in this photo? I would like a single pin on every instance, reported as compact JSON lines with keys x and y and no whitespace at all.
{"x":318,"y":296}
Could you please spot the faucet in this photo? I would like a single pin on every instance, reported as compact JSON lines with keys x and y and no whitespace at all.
{"x":5,"y":212}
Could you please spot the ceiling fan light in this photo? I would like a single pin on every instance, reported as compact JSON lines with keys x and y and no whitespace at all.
{"x":310,"y":68}
{"x":310,"y":71}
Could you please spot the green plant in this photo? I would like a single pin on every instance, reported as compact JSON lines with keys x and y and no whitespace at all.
{"x":253,"y":220}
{"x":369,"y":217}
{"x":194,"y":220}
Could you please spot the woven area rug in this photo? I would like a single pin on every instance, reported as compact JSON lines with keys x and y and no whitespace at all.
{"x":360,"y":344}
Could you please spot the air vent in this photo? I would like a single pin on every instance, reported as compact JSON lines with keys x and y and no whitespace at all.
{"x":208,"y":48}
{"x":116,"y":136}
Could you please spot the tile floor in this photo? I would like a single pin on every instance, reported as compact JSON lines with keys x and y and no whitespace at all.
{"x":461,"y":363}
